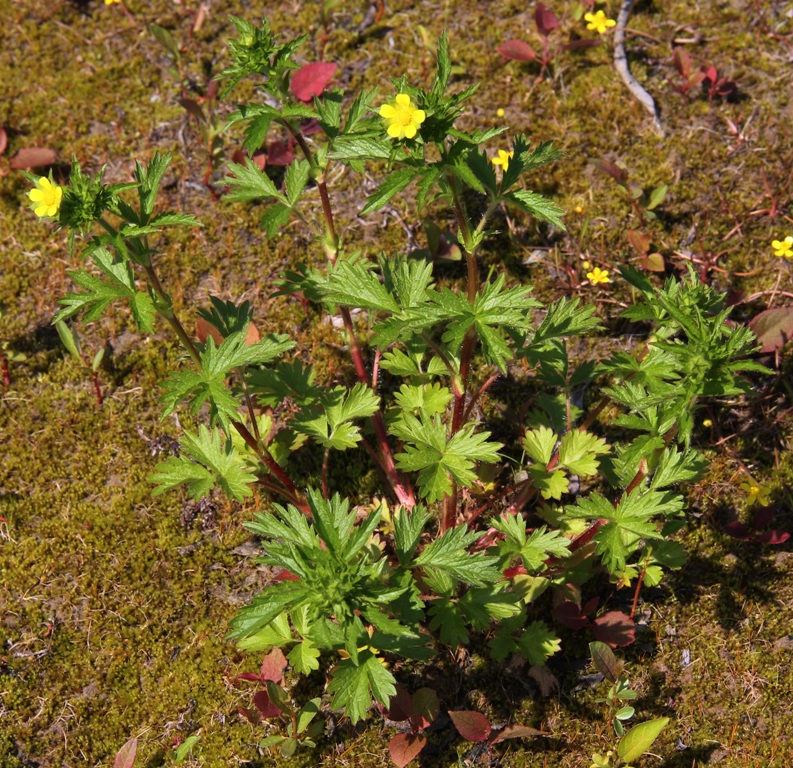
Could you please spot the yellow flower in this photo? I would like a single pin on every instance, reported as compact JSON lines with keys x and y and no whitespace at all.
{"x":598,"y":275}
{"x":783,"y":247}
{"x":46,"y":198}
{"x":586,"y":265}
{"x":503,"y":159}
{"x":756,"y":493}
{"x":110,"y":2}
{"x":707,"y":423}
{"x":598,"y":22}
{"x":500,"y":112}
{"x":402,"y":117}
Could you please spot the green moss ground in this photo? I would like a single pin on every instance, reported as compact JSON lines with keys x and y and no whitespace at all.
{"x":114,"y":605}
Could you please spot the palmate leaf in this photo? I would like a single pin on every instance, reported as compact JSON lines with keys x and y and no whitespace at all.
{"x":394,"y":183}
{"x":329,"y":421}
{"x":207,"y":459}
{"x":427,"y":398}
{"x":535,"y":549}
{"x":209,"y":383}
{"x":579,"y":450}
{"x":437,"y":460}
{"x":538,"y":643}
{"x":303,"y":657}
{"x":536,"y":205}
{"x":354,"y":284}
{"x":354,"y":686}
{"x":247,"y":182}
{"x":449,"y":553}
{"x":448,"y":622}
{"x":119,"y":283}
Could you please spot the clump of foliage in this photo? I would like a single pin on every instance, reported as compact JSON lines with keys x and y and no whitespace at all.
{"x":590,"y":488}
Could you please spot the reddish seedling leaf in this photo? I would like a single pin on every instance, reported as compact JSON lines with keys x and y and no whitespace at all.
{"x":605,"y":661}
{"x":620,"y":175}
{"x":711,"y":73}
{"x":590,"y":606}
{"x":738,"y":530}
{"x":265,"y":706}
{"x":194,"y":108}
{"x":614,"y":628}
{"x":405,"y":746}
{"x":515,"y":732}
{"x":251,"y":715}
{"x":472,"y":726}
{"x":518,"y":570}
{"x":682,"y":61}
{"x":545,"y":19}
{"x":285,"y":575}
{"x":773,"y":328}
{"x":773,"y":537}
{"x":250,"y":676}
{"x":569,"y":615}
{"x":762,"y":517}
{"x":125,"y":757}
{"x":517,"y":50}
{"x":204,"y":329}
{"x":654,"y":263}
{"x":426,"y":708}
{"x":279,"y":153}
{"x":640,"y":241}
{"x":273,"y":666}
{"x":309,"y":81}
{"x":3,"y":140}
{"x":32,"y":157}
{"x":401,"y":705}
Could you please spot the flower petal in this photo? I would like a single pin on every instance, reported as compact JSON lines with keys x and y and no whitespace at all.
{"x":395,"y":130}
{"x":418,"y":116}
{"x":403,"y":100}
{"x":387,"y":111}
{"x":410,"y":131}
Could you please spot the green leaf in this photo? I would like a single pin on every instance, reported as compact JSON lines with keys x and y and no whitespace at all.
{"x":307,"y":713}
{"x":297,"y":175}
{"x":206,"y":459}
{"x":303,"y":657}
{"x":209,"y":384}
{"x":579,"y":450}
{"x":181,"y":752}
{"x":173,"y":219}
{"x":69,"y":340}
{"x":444,"y":67}
{"x":351,"y":685}
{"x":537,"y":643}
{"x":275,"y":217}
{"x":428,"y":453}
{"x":539,"y":444}
{"x":276,"y":633}
{"x":354,"y":284}
{"x":449,"y":553}
{"x":550,"y":484}
{"x":640,"y":738}
{"x":148,"y":178}
{"x":394,"y":183}
{"x":330,"y":421}
{"x":248,"y":182}
{"x":448,"y":622}
{"x":429,"y":398}
{"x":536,"y":205}
{"x":408,"y":527}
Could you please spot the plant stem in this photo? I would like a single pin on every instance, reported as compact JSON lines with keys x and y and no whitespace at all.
{"x":399,"y":483}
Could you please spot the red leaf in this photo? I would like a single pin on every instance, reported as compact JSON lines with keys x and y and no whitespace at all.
{"x":614,"y":628}
{"x":194,"y":108}
{"x":515,"y":732}
{"x":3,"y":140}
{"x":605,"y":661}
{"x":279,"y":153}
{"x":620,"y":175}
{"x":711,"y":73}
{"x":545,"y":19}
{"x":205,"y":329}
{"x":472,"y":726}
{"x":590,"y":606}
{"x":401,"y":706}
{"x":273,"y":666}
{"x":263,"y":703}
{"x":773,"y":537}
{"x":584,"y":42}
{"x":640,"y":241}
{"x":426,"y":708}
{"x":773,"y":328}
{"x":286,"y":576}
{"x":32,"y":157}
{"x":737,"y":530}
{"x":248,"y":676}
{"x":518,"y":570}
{"x":762,"y":517}
{"x":125,"y":757}
{"x":682,"y":61}
{"x":405,"y":746}
{"x":569,"y":615}
{"x":251,"y":715}
{"x":309,"y":81}
{"x":518,"y":50}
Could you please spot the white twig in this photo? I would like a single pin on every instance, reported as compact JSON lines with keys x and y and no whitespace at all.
{"x":621,"y":65}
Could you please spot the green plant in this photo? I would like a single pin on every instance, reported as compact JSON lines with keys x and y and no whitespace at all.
{"x":635,"y":742}
{"x":362,"y":587}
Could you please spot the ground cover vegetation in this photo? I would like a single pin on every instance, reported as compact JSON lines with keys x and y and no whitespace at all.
{"x":378,"y":390}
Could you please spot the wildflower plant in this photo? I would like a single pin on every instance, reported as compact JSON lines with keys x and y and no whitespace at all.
{"x":427,"y":563}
